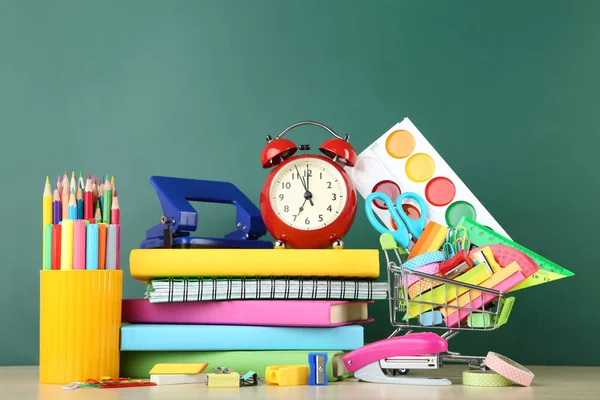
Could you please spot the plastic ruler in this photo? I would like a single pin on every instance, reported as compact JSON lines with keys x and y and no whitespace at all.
{"x":504,"y":255}
{"x":480,"y":235}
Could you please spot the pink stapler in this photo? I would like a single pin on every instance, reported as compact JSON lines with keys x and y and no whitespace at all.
{"x":378,"y":362}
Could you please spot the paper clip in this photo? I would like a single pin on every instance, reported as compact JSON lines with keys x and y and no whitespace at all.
{"x":460,"y":241}
{"x":73,"y":386}
{"x":221,"y":370}
{"x":448,"y":248}
{"x":77,"y":385}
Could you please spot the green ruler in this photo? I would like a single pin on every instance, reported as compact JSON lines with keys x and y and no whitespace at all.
{"x":480,"y":235}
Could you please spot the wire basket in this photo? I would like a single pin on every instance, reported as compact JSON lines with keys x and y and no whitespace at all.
{"x":421,"y":300}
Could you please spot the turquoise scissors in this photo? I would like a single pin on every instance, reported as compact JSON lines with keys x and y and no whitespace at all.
{"x":404,"y":223}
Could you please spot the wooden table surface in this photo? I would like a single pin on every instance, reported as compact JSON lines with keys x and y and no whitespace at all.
{"x":21,"y":383}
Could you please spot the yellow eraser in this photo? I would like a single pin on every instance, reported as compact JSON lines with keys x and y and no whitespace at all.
{"x":486,"y":255}
{"x":287,"y":375}
{"x":178,"y":368}
{"x":224,"y":380}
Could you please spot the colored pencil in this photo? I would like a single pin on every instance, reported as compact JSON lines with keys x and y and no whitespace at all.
{"x":56,"y":208}
{"x":100,"y":197}
{"x":80,"y":182}
{"x":106,"y":201}
{"x":118,"y":246}
{"x":56,"y":246}
{"x":81,"y":223}
{"x":115,"y":212}
{"x":65,"y":200}
{"x":92,"y":247}
{"x":47,"y":264}
{"x":73,"y":185}
{"x":66,"y":256}
{"x":79,"y":203}
{"x":88,"y":201}
{"x":98,"y":214}
{"x":46,"y":217}
{"x":72,"y":210}
{"x":79,"y":244}
{"x":101,"y":246}
{"x":111,"y":247}
{"x":47,"y":204}
{"x":94,"y":192}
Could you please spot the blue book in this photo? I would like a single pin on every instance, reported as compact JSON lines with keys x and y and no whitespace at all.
{"x":164,"y":337}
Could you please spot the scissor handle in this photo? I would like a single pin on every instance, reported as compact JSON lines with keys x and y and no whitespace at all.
{"x":400,"y":235}
{"x":415,"y":226}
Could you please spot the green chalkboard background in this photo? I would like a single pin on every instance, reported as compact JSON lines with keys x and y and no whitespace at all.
{"x":507,"y":92}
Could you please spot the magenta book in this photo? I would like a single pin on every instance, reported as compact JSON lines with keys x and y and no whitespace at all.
{"x":308,"y":313}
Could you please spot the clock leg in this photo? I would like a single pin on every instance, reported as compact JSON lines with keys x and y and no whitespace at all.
{"x":337,"y":244}
{"x":279,"y":244}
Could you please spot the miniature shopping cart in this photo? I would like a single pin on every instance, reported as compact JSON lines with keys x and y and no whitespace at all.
{"x":421,"y":301}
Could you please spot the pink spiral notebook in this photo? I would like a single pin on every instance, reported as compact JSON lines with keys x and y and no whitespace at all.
{"x":308,"y":313}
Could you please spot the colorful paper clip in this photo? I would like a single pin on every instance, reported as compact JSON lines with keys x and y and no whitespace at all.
{"x":461,"y":241}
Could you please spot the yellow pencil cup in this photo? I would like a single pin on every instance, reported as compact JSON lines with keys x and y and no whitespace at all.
{"x":80,"y":321}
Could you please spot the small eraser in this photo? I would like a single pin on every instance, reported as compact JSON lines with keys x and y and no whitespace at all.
{"x":431,"y":318}
{"x":224,"y":380}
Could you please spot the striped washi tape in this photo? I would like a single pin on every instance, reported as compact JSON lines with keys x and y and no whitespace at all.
{"x":508,"y":368}
{"x":424,"y":259}
{"x":484,"y":379}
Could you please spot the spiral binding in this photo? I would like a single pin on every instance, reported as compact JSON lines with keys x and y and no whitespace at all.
{"x":258,"y":284}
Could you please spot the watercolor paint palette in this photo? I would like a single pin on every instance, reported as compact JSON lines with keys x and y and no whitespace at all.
{"x":402,"y":160}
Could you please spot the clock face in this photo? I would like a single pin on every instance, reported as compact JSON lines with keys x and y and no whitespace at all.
{"x":308,"y":194}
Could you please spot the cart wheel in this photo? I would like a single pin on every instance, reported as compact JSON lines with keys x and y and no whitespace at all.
{"x":403,"y":371}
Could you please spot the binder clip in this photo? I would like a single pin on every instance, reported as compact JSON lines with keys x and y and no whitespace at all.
{"x":250,"y":378}
{"x":179,"y":218}
{"x":317,"y":363}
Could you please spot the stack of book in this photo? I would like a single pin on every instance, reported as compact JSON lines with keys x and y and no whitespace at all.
{"x":245,"y":309}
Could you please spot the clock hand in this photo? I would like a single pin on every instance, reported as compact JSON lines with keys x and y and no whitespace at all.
{"x":308,"y":193}
{"x":301,"y":180}
{"x":302,"y":207}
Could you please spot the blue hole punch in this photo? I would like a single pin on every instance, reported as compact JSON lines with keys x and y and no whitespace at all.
{"x":317,"y":363}
{"x":179,"y":218}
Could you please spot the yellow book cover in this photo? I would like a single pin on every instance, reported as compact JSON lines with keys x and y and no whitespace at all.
{"x":148,"y":264}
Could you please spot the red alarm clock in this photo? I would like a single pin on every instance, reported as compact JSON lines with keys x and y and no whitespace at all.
{"x":308,"y":201}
